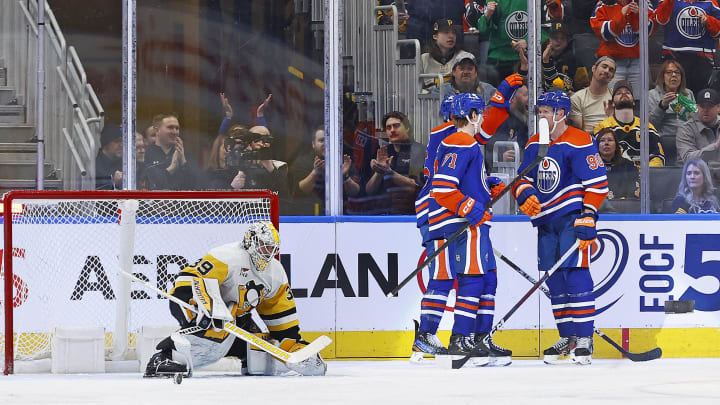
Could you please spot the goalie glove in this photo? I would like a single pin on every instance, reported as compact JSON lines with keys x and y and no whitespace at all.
{"x":506,"y":90}
{"x":496,"y":186}
{"x":211,"y":310}
{"x":585,"y":229}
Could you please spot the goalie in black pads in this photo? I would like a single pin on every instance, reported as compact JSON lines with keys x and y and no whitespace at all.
{"x":225,"y":285}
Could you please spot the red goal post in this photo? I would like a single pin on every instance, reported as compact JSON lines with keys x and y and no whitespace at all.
{"x":62,"y":250}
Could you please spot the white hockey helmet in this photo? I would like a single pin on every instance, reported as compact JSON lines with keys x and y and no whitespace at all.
{"x":262,"y":242}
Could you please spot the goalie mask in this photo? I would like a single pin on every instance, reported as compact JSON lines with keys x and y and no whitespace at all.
{"x":262,"y":243}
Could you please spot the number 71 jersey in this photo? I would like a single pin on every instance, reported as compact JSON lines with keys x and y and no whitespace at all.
{"x":571,"y":176}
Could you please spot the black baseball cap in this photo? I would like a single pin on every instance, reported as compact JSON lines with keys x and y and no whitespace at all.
{"x":443,"y":24}
{"x":559,"y":26}
{"x":708,"y":96}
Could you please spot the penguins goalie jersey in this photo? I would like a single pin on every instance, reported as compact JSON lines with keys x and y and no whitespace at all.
{"x":242,"y":288}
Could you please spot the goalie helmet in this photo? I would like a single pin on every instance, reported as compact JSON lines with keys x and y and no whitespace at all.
{"x":556,"y":100}
{"x":464,"y":103}
{"x":262,"y":243}
{"x":446,"y":108}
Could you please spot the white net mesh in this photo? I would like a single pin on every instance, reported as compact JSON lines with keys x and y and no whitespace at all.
{"x":65,"y":261}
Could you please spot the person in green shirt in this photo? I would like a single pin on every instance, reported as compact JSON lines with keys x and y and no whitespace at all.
{"x":506,"y":23}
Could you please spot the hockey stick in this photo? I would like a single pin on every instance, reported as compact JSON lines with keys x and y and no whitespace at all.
{"x":486,"y":340}
{"x":544,"y":140}
{"x":290,"y":357}
{"x":644,"y":356}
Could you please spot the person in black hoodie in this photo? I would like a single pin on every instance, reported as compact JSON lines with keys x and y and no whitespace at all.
{"x":108,"y":162}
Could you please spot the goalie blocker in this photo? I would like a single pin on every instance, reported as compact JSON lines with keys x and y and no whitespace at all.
{"x":213,"y":298}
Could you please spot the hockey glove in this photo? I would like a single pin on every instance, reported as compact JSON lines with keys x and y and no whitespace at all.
{"x":585,"y":229}
{"x":496,"y":186}
{"x":211,"y":310}
{"x":529,"y":203}
{"x":474,"y":212}
{"x":506,"y":90}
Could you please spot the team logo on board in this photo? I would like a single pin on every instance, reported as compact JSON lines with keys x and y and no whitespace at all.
{"x":516,"y":25}
{"x":548,"y":176}
{"x":688,"y":22}
{"x":610,"y":257}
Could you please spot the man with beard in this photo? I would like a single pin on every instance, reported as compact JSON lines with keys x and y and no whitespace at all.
{"x":626,"y":127}
{"x":590,"y":106}
{"x":465,"y":80}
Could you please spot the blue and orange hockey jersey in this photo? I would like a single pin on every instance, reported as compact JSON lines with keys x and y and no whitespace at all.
{"x":685,"y":33}
{"x":422,"y":203}
{"x":570,"y":177}
{"x":459,"y":185}
{"x":619,"y":33}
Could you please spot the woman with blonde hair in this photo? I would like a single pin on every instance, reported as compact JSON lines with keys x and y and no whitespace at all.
{"x":695,"y":193}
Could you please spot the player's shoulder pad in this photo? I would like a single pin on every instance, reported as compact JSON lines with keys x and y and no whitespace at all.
{"x":533,"y":139}
{"x":575,"y":137}
{"x":231,"y":254}
{"x":442,"y":128}
{"x":459,"y":139}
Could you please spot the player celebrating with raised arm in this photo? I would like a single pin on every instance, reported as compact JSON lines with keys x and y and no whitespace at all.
{"x":460,"y":191}
{"x":561,"y":196}
{"x":226,"y":284}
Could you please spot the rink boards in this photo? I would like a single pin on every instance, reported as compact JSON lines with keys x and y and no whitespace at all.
{"x":341,"y":270}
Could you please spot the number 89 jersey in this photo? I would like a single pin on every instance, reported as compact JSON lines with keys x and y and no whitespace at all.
{"x":243,"y":288}
{"x":571,"y":176}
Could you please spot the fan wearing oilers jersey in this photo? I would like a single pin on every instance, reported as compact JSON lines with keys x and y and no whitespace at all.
{"x":562,"y":196}
{"x":460,"y":193}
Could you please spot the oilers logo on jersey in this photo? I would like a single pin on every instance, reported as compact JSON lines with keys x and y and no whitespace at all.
{"x":548,"y":175}
{"x":516,"y":25}
{"x":689,"y":24}
{"x":627,"y":37}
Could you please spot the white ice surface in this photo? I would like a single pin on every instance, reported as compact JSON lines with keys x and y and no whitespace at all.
{"x":664,"y":381}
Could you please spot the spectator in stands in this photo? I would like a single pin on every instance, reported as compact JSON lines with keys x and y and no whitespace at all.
{"x":443,"y":52}
{"x":108,"y":162}
{"x":700,"y":137}
{"x":385,"y":17}
{"x":149,"y":136}
{"x":515,"y":129}
{"x":140,"y":148}
{"x":423,"y":13}
{"x":169,"y":166}
{"x":695,"y":193}
{"x":559,"y":62}
{"x":691,"y":32}
{"x":617,"y":24}
{"x":308,"y":173}
{"x":398,"y":166}
{"x":465,"y":79}
{"x":474,"y":10}
{"x":627,"y":127}
{"x":506,"y":25}
{"x":623,"y":175}
{"x":670,"y":105}
{"x":585,"y":42}
{"x":592,"y":105}
{"x":259,"y":169}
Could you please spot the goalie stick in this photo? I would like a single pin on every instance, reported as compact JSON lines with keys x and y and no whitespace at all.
{"x":290,"y":357}
{"x":644,"y":356}
{"x":544,"y":140}
{"x":486,"y":340}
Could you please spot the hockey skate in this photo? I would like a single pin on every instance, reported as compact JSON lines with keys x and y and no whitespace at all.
{"x":162,"y":365}
{"x":499,"y":356}
{"x":561,"y":348}
{"x":462,"y":347}
{"x":425,"y":343}
{"x":582,"y":354}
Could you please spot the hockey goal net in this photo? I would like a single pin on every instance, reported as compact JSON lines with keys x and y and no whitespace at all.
{"x":63,"y":249}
